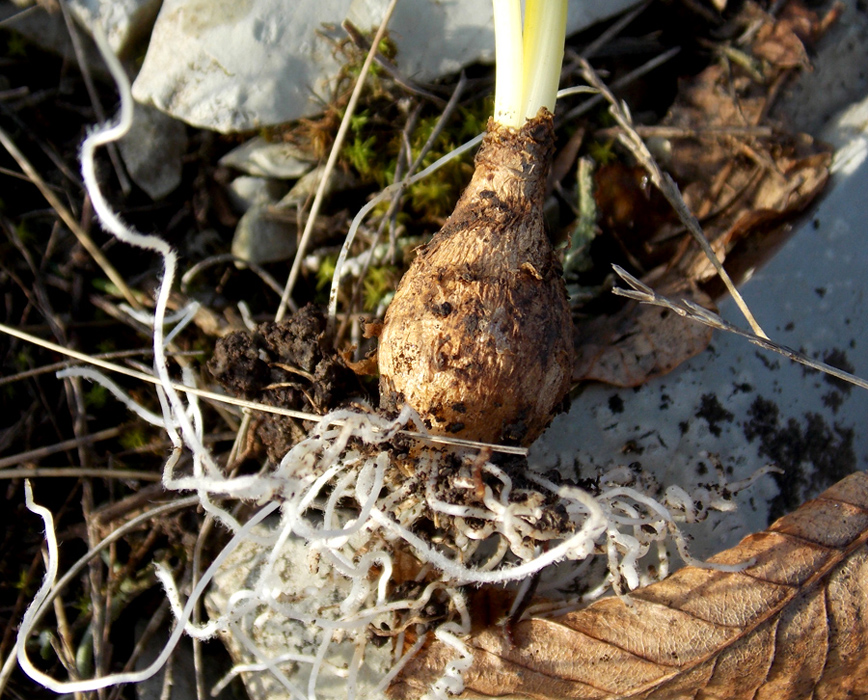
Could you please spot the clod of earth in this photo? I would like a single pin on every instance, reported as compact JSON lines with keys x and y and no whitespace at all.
{"x":478,"y":338}
{"x":289,"y":364}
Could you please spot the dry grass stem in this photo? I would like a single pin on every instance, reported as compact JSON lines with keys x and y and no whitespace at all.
{"x":64,"y":213}
{"x":622,"y":82}
{"x":633,"y":142}
{"x":330,"y":164}
{"x":644,"y":294}
{"x":231,"y":400}
{"x":39,"y":453}
{"x":73,"y":472}
{"x":678,"y":132}
{"x":605,"y":37}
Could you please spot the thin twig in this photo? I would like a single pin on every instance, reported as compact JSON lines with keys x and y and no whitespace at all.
{"x":50,"y":369}
{"x":634,"y":143}
{"x":64,"y":213}
{"x":330,"y":164}
{"x":415,"y":88}
{"x":78,"y":473}
{"x":155,"y":622}
{"x":643,"y":293}
{"x":680,"y":132}
{"x":264,"y":408}
{"x":188,"y":276}
{"x":617,"y":27}
{"x":623,"y":81}
{"x":39,"y":453}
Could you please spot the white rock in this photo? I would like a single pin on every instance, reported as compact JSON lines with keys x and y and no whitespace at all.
{"x":810,"y":296}
{"x":265,"y":234}
{"x":304,"y":190}
{"x":123,"y":21}
{"x":236,"y":66}
{"x":268,"y":159}
{"x":311,"y":590}
{"x":438,"y":38}
{"x":241,"y":66}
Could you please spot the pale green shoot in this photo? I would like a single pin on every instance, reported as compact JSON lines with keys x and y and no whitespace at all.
{"x":528,"y":60}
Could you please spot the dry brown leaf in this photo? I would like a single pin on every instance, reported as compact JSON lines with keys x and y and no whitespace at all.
{"x":639,"y":341}
{"x":745,"y":186}
{"x":792,"y":624}
{"x":744,"y":181}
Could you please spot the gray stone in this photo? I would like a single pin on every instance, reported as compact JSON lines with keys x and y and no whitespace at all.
{"x":438,"y":38}
{"x":123,"y":21}
{"x":265,"y":234}
{"x":304,"y":190}
{"x":747,"y":406}
{"x":268,"y":159}
{"x":238,"y":65}
{"x":153,"y":151}
{"x":247,"y":191}
{"x":314,"y":591}
{"x":180,"y":669}
{"x":45,"y":29}
{"x":838,"y":75}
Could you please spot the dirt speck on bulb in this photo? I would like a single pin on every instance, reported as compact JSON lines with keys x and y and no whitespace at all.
{"x":478,"y":338}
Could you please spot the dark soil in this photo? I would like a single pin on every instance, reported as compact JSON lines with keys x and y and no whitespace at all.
{"x":291,"y":364}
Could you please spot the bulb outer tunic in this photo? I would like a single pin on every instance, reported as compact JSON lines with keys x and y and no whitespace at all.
{"x":478,"y":338}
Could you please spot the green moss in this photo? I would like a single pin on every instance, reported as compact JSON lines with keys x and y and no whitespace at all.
{"x":96,"y":396}
{"x":16,"y":45}
{"x":133,"y":438}
{"x":361,"y":154}
{"x":326,"y":271}
{"x":22,"y":360}
{"x":379,"y":282}
{"x":603,"y":152}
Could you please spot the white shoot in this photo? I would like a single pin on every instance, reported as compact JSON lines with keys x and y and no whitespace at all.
{"x":528,"y":60}
{"x":509,"y":63}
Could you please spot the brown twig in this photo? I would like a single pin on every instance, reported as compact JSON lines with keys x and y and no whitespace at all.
{"x":221,"y":398}
{"x":73,"y":472}
{"x":64,"y":213}
{"x":74,"y":443}
{"x":627,"y":79}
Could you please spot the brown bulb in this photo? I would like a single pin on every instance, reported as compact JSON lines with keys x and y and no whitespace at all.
{"x":478,"y":338}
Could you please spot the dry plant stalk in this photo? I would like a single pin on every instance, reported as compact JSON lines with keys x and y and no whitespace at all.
{"x":793,"y":623}
{"x":479,"y":336}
